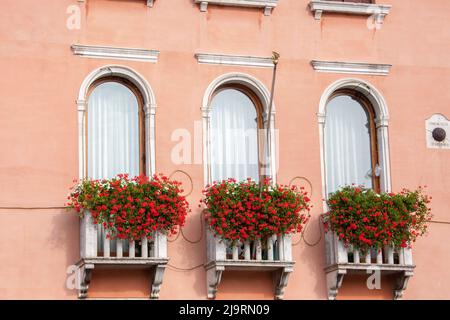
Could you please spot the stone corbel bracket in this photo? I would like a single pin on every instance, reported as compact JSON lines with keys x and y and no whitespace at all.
{"x":335,"y":277}
{"x":379,"y":11}
{"x":401,"y":284}
{"x":281,"y":281}
{"x":281,"y":271}
{"x":84,"y":279}
{"x":86,"y":267}
{"x":267,"y":5}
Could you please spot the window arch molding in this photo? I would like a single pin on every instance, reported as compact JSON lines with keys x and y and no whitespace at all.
{"x":378,"y":103}
{"x":251,"y":84}
{"x":149,"y":108}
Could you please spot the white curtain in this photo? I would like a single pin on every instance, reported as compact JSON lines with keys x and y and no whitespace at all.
{"x":347,"y":144}
{"x":113,"y":131}
{"x":113,"y":137}
{"x":234,"y":137}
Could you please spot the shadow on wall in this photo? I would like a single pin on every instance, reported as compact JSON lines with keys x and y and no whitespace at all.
{"x":185,"y":277}
{"x":309,"y":255}
{"x":237,"y":285}
{"x":354,"y":288}
{"x":64,"y":238}
{"x":123,"y":282}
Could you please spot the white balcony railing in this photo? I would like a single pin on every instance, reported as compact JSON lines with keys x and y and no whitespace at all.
{"x":342,"y":260}
{"x":274,"y":255}
{"x":98,"y":250}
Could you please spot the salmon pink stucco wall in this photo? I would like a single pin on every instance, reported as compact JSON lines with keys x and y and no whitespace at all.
{"x":41,"y":78}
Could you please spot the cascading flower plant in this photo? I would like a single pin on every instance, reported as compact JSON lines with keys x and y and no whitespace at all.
{"x":366,"y":219}
{"x":132,"y":208}
{"x":238,"y":211}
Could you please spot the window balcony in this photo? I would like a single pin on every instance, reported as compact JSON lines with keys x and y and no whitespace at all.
{"x":274,"y":256}
{"x":379,"y":11}
{"x":96,"y":250}
{"x":267,"y":5}
{"x":342,"y":260}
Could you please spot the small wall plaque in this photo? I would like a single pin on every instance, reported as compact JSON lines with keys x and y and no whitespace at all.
{"x":438,"y":132}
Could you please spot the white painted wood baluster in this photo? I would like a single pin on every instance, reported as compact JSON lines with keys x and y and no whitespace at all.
{"x":88,"y":236}
{"x":235,"y":251}
{"x":330,"y":250}
{"x":356,"y":257}
{"x":287,"y":247}
{"x":119,"y":248}
{"x":389,"y":254}
{"x":342,"y":253}
{"x":247,"y":255}
{"x":219,"y":250}
{"x":152,"y":247}
{"x":401,"y":256}
{"x":368,"y":257}
{"x":408,"y":256}
{"x":280,"y":244}
{"x":161,"y":245}
{"x":258,"y":249}
{"x":132,"y":249}
{"x":144,"y":247}
{"x":379,"y":257}
{"x":270,"y":241}
{"x":106,"y":245}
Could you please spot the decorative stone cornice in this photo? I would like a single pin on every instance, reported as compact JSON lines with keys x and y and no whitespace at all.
{"x":149,"y":2}
{"x":104,"y":52}
{"x":244,"y":61}
{"x":81,"y":104}
{"x":206,"y":112}
{"x":321,"y":117}
{"x":373,"y":69}
{"x":268,"y":5}
{"x":149,"y":109}
{"x":382,"y":122}
{"x":378,"y":10}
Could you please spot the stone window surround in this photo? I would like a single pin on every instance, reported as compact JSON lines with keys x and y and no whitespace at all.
{"x":381,"y":122}
{"x":263,"y":94}
{"x":149,"y":111}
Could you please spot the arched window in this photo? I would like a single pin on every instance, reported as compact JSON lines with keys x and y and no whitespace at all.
{"x":234,"y":109}
{"x":115,"y":129}
{"x":115,"y":134}
{"x":351,"y":155}
{"x":235,"y":120}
